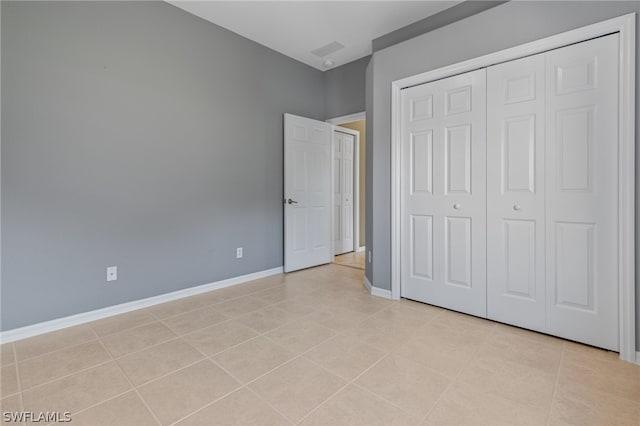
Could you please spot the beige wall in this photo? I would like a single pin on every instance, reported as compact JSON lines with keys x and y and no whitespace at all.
{"x":360,"y":127}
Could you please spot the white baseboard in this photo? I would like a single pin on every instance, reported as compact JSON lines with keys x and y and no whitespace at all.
{"x":367,"y":284}
{"x":638,"y":357}
{"x":60,"y":323}
{"x":375,"y":291}
{"x":361,"y":249}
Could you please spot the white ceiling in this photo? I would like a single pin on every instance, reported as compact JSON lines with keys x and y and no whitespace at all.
{"x":295,"y":28}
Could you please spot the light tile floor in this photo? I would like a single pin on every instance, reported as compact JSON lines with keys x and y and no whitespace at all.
{"x":313,"y":347}
{"x":353,"y":259}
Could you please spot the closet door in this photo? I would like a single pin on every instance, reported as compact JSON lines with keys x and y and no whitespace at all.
{"x":582,"y":191}
{"x":338,"y":171}
{"x":343,"y":147}
{"x":443,"y":184}
{"x":515,"y":192}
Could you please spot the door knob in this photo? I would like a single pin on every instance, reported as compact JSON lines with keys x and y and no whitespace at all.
{"x":457,"y":206}
{"x":517,"y":207}
{"x":290,"y":201}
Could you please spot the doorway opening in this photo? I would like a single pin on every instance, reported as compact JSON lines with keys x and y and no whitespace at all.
{"x":348,"y":189}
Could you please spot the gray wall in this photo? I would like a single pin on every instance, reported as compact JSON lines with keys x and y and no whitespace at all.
{"x":135,"y":134}
{"x":498,"y":28}
{"x":344,"y":88}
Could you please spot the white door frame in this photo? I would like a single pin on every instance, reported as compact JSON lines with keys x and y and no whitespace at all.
{"x":356,"y":186}
{"x":625,"y":26}
{"x":347,"y":118}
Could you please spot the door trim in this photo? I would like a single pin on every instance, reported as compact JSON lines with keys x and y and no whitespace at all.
{"x":356,"y":185}
{"x":356,"y":116}
{"x":625,"y":26}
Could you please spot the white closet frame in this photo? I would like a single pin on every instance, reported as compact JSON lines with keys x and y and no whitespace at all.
{"x":625,"y":26}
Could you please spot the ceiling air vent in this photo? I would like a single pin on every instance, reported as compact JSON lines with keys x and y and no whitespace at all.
{"x":330,"y":48}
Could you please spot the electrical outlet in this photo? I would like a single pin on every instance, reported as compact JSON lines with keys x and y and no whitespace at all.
{"x":369,"y":256}
{"x":112,"y":273}
{"x":239,"y":253}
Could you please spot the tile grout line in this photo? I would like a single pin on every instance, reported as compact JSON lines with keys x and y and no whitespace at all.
{"x":80,"y":371}
{"x":209,"y":358}
{"x":242,"y":385}
{"x":20,"y":396}
{"x":247,"y":384}
{"x":455,"y":379}
{"x":48,"y":382}
{"x":347,"y":384}
{"x":60,"y":350}
{"x":102,"y":402}
{"x":148,"y":309}
{"x":353,"y":382}
{"x":175,"y":336}
{"x":115,"y":359}
{"x":393,"y":404}
{"x":358,"y":376}
{"x":146,"y":348}
{"x":206,"y":405}
{"x":151,"y":320}
{"x":555,"y":385}
{"x":133,"y":387}
{"x":261,"y":398}
{"x":206,"y":358}
{"x":55,"y":350}
{"x":155,"y":379}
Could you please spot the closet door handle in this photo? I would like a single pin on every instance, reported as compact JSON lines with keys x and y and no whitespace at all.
{"x":457,"y":206}
{"x":517,"y":207}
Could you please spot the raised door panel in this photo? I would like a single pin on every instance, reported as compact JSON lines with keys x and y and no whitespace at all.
{"x":581,"y":192}
{"x":443,"y":193}
{"x":574,"y":263}
{"x":421,"y":254}
{"x":421,"y":108}
{"x":574,"y":146}
{"x":300,"y":221}
{"x":520,"y":259}
{"x":518,"y":144}
{"x":458,"y":251}
{"x":458,"y":159}
{"x":421,"y":162}
{"x":515,"y":192}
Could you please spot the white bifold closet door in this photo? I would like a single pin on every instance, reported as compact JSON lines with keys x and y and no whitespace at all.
{"x":515,"y":192}
{"x":549,"y":241}
{"x":443,"y":224}
{"x":552,"y":192}
{"x":582,"y":192}
{"x":343,"y":147}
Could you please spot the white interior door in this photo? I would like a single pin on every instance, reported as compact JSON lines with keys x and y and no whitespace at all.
{"x":515,"y":192}
{"x":582,"y":192}
{"x":307,"y":192}
{"x":343,"y":184}
{"x":443,"y":184}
